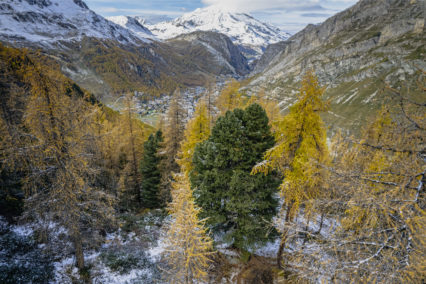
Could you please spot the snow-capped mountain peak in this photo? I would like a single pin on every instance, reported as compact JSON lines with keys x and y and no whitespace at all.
{"x":132,"y":24}
{"x":47,"y":21}
{"x":243,"y":29}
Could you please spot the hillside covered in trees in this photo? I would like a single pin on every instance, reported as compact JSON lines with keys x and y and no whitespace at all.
{"x":235,"y":192}
{"x":216,"y":154}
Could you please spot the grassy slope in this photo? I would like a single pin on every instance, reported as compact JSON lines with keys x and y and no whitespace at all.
{"x":357,"y":94}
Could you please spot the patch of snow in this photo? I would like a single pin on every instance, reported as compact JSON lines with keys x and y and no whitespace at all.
{"x":112,"y":277}
{"x":219,"y":58}
{"x":156,"y":251}
{"x":351,"y":96}
{"x":270,"y":249}
{"x":367,"y":100}
{"x":336,"y":115}
{"x":24,"y":230}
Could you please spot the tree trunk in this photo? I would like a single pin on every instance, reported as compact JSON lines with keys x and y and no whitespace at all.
{"x":134,"y":159}
{"x":284,"y":237}
{"x":78,"y":246}
{"x":281,"y":249}
{"x":306,"y":234}
{"x":321,"y":222}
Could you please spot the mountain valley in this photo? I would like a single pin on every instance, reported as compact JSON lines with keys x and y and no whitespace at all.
{"x":203,"y":145}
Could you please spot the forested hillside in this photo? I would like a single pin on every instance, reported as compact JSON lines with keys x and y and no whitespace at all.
{"x":239,"y":182}
{"x":309,"y":169}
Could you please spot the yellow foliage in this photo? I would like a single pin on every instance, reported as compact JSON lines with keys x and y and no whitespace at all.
{"x":230,"y":97}
{"x":379,"y":181}
{"x":301,"y":151}
{"x":173,"y":133}
{"x":269,"y":105}
{"x":188,"y":246}
{"x":376,"y":167}
{"x":197,"y":130}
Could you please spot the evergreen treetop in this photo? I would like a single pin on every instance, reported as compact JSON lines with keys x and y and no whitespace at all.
{"x":235,"y":202}
{"x":151,"y":175}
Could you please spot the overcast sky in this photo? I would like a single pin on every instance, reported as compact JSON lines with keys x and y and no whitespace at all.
{"x":290,"y":15}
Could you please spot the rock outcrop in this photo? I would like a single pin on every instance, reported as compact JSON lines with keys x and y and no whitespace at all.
{"x":221,"y":56}
{"x":354,"y":53}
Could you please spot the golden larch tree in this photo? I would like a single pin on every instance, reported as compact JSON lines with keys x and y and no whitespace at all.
{"x":377,"y":201}
{"x":380,"y":184}
{"x":230,"y":97}
{"x":197,"y":130}
{"x":174,"y":126}
{"x":301,"y":152}
{"x":188,"y":245}
{"x":131,"y":137}
{"x":60,"y":184}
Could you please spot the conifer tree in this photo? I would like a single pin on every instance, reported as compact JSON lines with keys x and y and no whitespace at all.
{"x":380,"y":184}
{"x":109,"y":134}
{"x":235,"y":202}
{"x":271,"y":107}
{"x":61,"y":184}
{"x":197,"y":130}
{"x":173,"y":135}
{"x":174,"y":129}
{"x":151,"y":175}
{"x":12,"y":133}
{"x":300,"y":152}
{"x":230,"y":97}
{"x":188,"y":246}
{"x":132,"y":136}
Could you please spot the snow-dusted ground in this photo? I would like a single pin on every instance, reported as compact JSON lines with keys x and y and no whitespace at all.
{"x":124,"y":257}
{"x":134,"y":254}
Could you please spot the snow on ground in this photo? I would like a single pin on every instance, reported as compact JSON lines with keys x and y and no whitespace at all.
{"x":269,"y":249}
{"x":23,"y":230}
{"x":133,"y":256}
{"x":156,"y":252}
{"x":110,"y":277}
{"x":127,"y":255}
{"x":20,"y":230}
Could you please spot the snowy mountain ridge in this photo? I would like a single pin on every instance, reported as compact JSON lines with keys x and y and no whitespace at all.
{"x":48,"y":21}
{"x":245,"y":31}
{"x":133,"y":25}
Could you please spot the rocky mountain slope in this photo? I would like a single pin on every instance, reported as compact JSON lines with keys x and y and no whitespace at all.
{"x":110,"y":59}
{"x":251,"y":35}
{"x":46,"y":22}
{"x":212,"y":51}
{"x":132,"y":24}
{"x":354,"y":53}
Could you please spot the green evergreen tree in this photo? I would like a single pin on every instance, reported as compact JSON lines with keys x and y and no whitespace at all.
{"x":236,"y":203}
{"x":151,"y":175}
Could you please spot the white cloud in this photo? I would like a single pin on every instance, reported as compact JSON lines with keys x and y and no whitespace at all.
{"x":259,"y":5}
{"x":256,"y":5}
{"x":290,"y":15}
{"x":135,"y":12}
